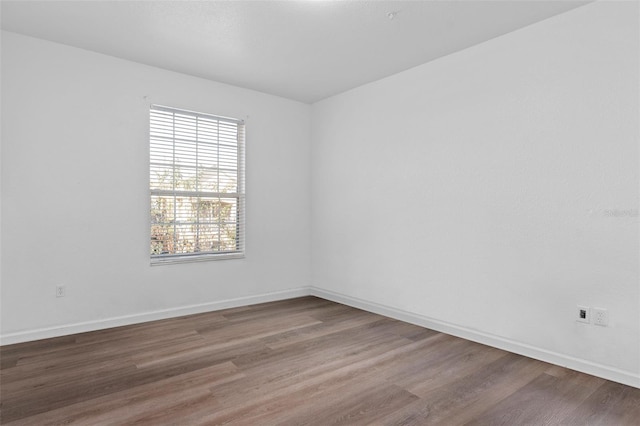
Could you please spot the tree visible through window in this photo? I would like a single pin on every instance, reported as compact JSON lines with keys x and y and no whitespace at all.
{"x":196,"y":184}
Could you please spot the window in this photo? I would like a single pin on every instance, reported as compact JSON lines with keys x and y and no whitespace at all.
{"x":196,"y":184}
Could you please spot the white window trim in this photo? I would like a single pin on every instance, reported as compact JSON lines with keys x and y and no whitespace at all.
{"x":200,"y":257}
{"x":240,"y":195}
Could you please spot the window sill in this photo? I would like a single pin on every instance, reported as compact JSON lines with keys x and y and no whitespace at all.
{"x":198,"y":258}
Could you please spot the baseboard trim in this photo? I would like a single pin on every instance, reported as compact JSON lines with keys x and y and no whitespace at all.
{"x":82,"y":327}
{"x":584,"y":366}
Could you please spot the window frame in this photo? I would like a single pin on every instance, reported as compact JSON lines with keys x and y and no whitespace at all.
{"x":162,"y":259}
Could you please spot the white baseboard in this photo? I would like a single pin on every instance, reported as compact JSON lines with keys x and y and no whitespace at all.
{"x":625,"y":377}
{"x":584,"y":366}
{"x":82,"y":327}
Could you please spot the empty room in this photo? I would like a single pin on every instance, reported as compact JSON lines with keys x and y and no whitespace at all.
{"x":320,"y":212}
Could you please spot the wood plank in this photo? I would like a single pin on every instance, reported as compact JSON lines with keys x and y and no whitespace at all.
{"x":612,"y":403}
{"x":544,"y":400}
{"x":130,"y":405}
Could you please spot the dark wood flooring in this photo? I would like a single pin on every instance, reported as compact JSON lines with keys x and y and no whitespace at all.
{"x":300,"y":361}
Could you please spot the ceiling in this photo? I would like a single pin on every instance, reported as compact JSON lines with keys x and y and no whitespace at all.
{"x":302,"y":50}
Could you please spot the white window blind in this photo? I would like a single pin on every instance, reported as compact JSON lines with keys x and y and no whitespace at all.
{"x":196,"y":185}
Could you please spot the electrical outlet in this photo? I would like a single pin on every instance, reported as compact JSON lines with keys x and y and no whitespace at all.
{"x":60,"y":291}
{"x":600,"y":317}
{"x":583,"y":314}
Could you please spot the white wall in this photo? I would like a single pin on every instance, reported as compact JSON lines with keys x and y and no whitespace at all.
{"x":494,"y":189}
{"x":489,"y":191}
{"x":75,"y":190}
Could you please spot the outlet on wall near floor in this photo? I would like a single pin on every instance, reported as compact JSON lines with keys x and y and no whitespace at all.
{"x":60,"y":291}
{"x":583,"y":314}
{"x":601,"y":317}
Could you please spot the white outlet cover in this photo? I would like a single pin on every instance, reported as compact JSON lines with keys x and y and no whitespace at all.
{"x":587,"y":310}
{"x":600,"y":317}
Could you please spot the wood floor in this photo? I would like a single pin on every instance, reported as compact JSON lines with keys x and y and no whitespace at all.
{"x":300,"y":361}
